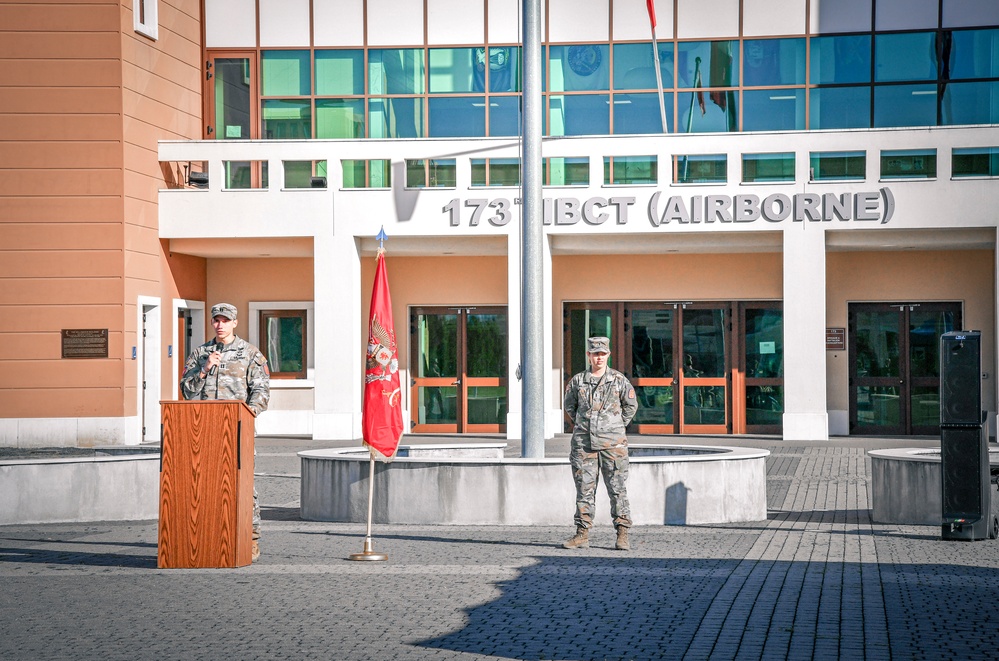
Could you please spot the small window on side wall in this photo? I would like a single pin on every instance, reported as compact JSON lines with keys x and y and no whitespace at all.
{"x":283,"y":341}
{"x":144,"y":18}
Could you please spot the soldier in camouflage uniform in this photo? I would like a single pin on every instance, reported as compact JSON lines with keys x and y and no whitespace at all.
{"x":600,"y":402}
{"x":229,"y":367}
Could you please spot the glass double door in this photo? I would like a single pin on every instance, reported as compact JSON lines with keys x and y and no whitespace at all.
{"x":894,"y":355}
{"x":459,"y":369}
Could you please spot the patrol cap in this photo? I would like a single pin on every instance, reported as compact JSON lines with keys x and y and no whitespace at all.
{"x":598,"y":345}
{"x":227,"y":310}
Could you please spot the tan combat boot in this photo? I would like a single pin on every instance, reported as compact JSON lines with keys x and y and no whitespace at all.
{"x":622,"y":539}
{"x":581,"y":540}
{"x":255,"y":547}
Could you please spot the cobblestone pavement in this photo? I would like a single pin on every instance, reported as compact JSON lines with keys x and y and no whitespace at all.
{"x":817,"y":579}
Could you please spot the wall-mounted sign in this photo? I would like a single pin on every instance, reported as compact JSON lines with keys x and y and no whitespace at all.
{"x":768,"y":347}
{"x":85,"y":343}
{"x":835,"y":339}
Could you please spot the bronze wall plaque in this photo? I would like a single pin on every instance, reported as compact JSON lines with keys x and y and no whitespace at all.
{"x":84,"y":342}
{"x":835,"y":339}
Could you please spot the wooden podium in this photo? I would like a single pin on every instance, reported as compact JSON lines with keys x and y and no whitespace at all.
{"x":206,"y":484}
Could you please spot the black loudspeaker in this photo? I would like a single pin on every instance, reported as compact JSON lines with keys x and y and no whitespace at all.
{"x":965,"y":483}
{"x":961,"y":378}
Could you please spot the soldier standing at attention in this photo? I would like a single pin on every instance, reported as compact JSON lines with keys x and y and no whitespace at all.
{"x":229,"y":367}
{"x":600,"y":402}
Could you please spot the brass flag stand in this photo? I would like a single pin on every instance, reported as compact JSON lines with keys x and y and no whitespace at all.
{"x":368,"y":553}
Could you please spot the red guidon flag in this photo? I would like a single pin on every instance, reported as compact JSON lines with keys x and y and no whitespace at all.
{"x":381,"y":417}
{"x":651,"y":5}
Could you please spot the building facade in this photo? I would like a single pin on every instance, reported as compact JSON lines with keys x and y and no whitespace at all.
{"x":781,"y":257}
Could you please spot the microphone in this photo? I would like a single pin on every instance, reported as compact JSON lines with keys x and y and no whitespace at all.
{"x":216,"y":349}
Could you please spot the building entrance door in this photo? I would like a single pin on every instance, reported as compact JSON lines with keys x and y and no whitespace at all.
{"x":458,"y":366}
{"x":894,"y":355}
{"x":231,"y":110}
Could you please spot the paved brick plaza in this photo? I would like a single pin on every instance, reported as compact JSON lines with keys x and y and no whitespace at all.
{"x":816,"y":580}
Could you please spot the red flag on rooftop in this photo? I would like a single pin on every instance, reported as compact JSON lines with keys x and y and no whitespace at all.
{"x":381,"y":418}
{"x":651,"y":4}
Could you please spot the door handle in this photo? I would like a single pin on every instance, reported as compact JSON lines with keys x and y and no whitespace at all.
{"x":457,"y":383}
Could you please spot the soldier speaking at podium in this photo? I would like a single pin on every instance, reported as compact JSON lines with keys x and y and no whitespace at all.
{"x":229,"y":367}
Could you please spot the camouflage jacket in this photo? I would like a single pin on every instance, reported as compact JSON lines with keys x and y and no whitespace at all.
{"x":242,"y":375}
{"x":601,"y":408}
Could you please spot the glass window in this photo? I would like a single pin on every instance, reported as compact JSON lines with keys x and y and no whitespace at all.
{"x":837,"y":165}
{"x":973,"y":54}
{"x":640,"y":113}
{"x":708,"y":112}
{"x":840,"y":108}
{"x":623,"y":170}
{"x":395,"y":71}
{"x":503,"y":71}
{"x":970,"y":103}
{"x":451,"y":70}
{"x":909,"y":164}
{"x":715,"y":63}
{"x":975,"y":162}
{"x":495,"y":171}
{"x":908,"y":56}
{"x":905,"y":105}
{"x":764,"y":344}
{"x":767,"y":62}
{"x":144,"y":17}
{"x":579,"y":114}
{"x":286,"y":120}
{"x":398,"y":117}
{"x":239,"y":175}
{"x":700,"y":169}
{"x":284,"y":342}
{"x":579,"y":68}
{"x":635,"y":66}
{"x":340,"y":118}
{"x":457,"y":116}
{"x":773,"y":110}
{"x":285,"y":73}
{"x":504,"y":115}
{"x":430,"y":173}
{"x":573,"y":171}
{"x":339,"y":72}
{"x":298,"y":174}
{"x":767,"y":167}
{"x":840,"y":59}
{"x":367,"y":174}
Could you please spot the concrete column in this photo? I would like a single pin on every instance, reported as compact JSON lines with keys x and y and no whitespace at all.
{"x":805,"y":415}
{"x":338,"y":344}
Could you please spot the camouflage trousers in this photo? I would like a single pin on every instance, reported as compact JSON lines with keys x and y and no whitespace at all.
{"x":587,"y":464}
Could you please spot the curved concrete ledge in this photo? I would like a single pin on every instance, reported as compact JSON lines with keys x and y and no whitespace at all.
{"x":905,"y":485}
{"x":71,"y":489}
{"x":473,"y":484}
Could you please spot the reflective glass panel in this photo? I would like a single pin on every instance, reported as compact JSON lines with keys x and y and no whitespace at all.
{"x":925,"y":329}
{"x":924,"y":406}
{"x":837,"y":165}
{"x":286,"y":120}
{"x":878,"y":406}
{"x":707,"y":64}
{"x":764,"y":344}
{"x":437,"y":344}
{"x":708,"y":112}
{"x":970,"y":103}
{"x":486,"y":345}
{"x":339,"y":72}
{"x":974,"y":54}
{"x":503,"y":69}
{"x":877,"y":343}
{"x":366,"y":174}
{"x":434,"y":173}
{"x":457,"y":116}
{"x":486,"y":405}
{"x":585,"y":114}
{"x":975,"y":162}
{"x":764,"y":405}
{"x":451,"y":70}
{"x":655,"y":405}
{"x":640,"y":113}
{"x":768,"y":167}
{"x":395,"y":71}
{"x":635,"y":66}
{"x":285,"y":73}
{"x":652,"y":344}
{"x":909,"y":164}
{"x":400,"y":117}
{"x":437,"y":405}
{"x":840,"y":108}
{"x":567,"y":171}
{"x":340,"y":118}
{"x":773,"y":110}
{"x":495,"y":172}
{"x":704,"y":405}
{"x":232,"y":98}
{"x":630,"y":170}
{"x":284,"y":347}
{"x":702,"y":168}
{"x":905,"y":105}
{"x":840,"y":59}
{"x":908,"y":56}
{"x":504,"y":115}
{"x":238,"y":175}
{"x":704,"y":344}
{"x":298,"y":174}
{"x":579,"y":68}
{"x":767,"y":62}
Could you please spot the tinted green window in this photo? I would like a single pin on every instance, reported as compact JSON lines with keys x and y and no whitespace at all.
{"x":773,"y":110}
{"x":285,"y":73}
{"x":399,"y":117}
{"x":339,"y":118}
{"x":640,"y":113}
{"x":579,"y":114}
{"x":905,"y":105}
{"x":504,"y":115}
{"x":708,"y":112}
{"x":840,"y":108}
{"x":495,"y":172}
{"x":910,"y":56}
{"x":433,"y":173}
{"x":339,"y":72}
{"x":909,"y":164}
{"x":298,"y":174}
{"x":567,"y":171}
{"x":768,"y":167}
{"x":838,"y":165}
{"x":457,"y":116}
{"x":975,"y":162}
{"x":845,"y":59}
{"x":451,"y":70}
{"x":502,"y":69}
{"x":579,"y":68}
{"x":622,"y":170}
{"x":635,"y":66}
{"x":366,"y":174}
{"x":718,"y":65}
{"x":767,"y":62}
{"x":970,"y":103}
{"x":395,"y":71}
{"x":700,"y":168}
{"x":974,"y":54}
{"x":286,"y":120}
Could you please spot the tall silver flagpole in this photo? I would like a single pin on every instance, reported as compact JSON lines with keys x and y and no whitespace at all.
{"x":532,"y":333}
{"x":659,"y":78}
